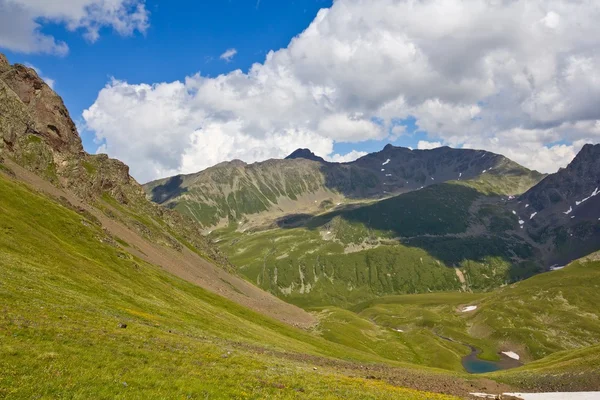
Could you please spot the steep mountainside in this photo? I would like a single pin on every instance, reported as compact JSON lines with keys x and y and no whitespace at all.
{"x":40,"y":145}
{"x":562,"y":213}
{"x":305,"y":183}
{"x":451,"y":236}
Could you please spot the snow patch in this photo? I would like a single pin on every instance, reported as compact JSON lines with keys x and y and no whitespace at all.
{"x":569,"y":211}
{"x":460,"y":175}
{"x":521,"y":222}
{"x":432,"y":178}
{"x":388,"y":174}
{"x":514,"y":212}
{"x":511,"y":197}
{"x":556,"y":396}
{"x":382,"y":169}
{"x":386,"y":162}
{"x":512,"y":355}
{"x":533,"y":215}
{"x":484,"y":171}
{"x":595,"y":193}
{"x":468,"y":308}
{"x":526,"y":205}
{"x":556,"y":267}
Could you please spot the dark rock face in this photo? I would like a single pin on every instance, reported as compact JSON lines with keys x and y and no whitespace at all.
{"x":577,"y":181}
{"x":306,"y":154}
{"x":562,"y":212}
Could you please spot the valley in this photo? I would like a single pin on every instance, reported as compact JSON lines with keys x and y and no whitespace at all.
{"x":413,"y":274}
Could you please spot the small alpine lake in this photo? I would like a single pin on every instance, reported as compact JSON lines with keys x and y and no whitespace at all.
{"x":475,"y":365}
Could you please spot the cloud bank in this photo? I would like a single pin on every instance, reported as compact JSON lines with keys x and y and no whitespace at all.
{"x":521,"y":78}
{"x":21,"y":21}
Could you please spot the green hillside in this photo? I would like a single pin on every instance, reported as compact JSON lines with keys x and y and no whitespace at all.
{"x":446,"y":237}
{"x":66,"y":289}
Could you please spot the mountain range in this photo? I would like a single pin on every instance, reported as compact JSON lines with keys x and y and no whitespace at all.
{"x":482,"y":220}
{"x":303,"y":182}
{"x":397,"y":275}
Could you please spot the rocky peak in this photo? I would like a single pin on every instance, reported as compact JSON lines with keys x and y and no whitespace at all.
{"x":587,"y":159}
{"x":581,"y":176}
{"x":50,"y":117}
{"x":304,"y":153}
{"x":4,"y":64}
{"x":38,"y":133}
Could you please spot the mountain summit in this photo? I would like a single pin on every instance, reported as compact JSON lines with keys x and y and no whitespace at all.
{"x":306,"y":154}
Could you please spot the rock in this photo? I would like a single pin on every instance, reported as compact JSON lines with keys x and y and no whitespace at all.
{"x":122,"y":325}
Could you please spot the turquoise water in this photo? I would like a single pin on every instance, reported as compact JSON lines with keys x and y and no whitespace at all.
{"x":474,"y":365}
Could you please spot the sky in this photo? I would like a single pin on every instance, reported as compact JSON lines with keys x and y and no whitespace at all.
{"x":175,"y":87}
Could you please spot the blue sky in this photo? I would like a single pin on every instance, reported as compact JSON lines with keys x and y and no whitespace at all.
{"x":146,"y":83}
{"x":184,"y":37}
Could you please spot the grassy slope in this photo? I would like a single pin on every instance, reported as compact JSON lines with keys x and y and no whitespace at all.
{"x":551,"y":320}
{"x":400,"y":245}
{"x":64,"y":289}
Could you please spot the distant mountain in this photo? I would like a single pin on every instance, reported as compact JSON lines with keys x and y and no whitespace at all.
{"x":306,"y":154}
{"x":305,"y":183}
{"x":562,"y":212}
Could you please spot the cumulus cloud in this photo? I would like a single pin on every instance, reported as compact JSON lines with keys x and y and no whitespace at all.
{"x":517,"y":77}
{"x":425,"y":145}
{"x":228,"y":55}
{"x":21,"y":21}
{"x":348,"y":157}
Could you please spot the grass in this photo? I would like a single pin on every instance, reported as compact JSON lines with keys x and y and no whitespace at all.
{"x":544,"y":319}
{"x":302,"y":268}
{"x":64,"y":291}
{"x":345,"y":257}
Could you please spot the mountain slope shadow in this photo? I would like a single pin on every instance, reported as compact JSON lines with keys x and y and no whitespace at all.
{"x":169,"y":190}
{"x":436,"y":219}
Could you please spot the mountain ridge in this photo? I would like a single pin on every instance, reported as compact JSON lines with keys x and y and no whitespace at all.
{"x":303,"y":182}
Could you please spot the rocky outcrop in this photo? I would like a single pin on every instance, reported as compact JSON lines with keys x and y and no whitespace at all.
{"x":37,"y":132}
{"x":49,"y":116}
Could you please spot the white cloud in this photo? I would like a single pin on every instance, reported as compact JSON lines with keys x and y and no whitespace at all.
{"x":49,"y":81}
{"x":425,"y":145}
{"x":21,"y":21}
{"x":520,"y":77}
{"x":351,"y":156}
{"x":228,"y":55}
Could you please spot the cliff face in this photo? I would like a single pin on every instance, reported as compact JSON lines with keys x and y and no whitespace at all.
{"x":37,"y":132}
